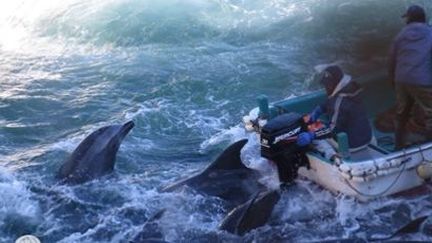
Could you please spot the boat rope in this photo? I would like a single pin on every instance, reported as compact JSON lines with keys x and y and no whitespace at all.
{"x":421,"y":153}
{"x":384,"y":191}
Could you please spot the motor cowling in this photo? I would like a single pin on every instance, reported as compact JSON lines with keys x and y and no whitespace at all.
{"x":278,"y":144}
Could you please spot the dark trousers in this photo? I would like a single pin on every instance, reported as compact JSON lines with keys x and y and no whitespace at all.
{"x":406,"y":96}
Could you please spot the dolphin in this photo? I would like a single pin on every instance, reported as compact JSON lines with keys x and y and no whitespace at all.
{"x":226,"y":178}
{"x":252,"y":214}
{"x":229,"y":179}
{"x":150,"y":232}
{"x":410,"y":228}
{"x":95,"y":156}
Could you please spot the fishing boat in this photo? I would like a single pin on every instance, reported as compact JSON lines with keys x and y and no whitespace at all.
{"x":377,"y":171}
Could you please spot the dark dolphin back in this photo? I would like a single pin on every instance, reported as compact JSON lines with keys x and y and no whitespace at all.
{"x":410,"y":228}
{"x":226,"y":177}
{"x":252,"y":214}
{"x":151,"y":231}
{"x":73,"y":161}
{"x":228,"y":160}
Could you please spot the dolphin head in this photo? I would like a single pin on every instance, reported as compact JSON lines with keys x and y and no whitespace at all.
{"x":125,"y":129}
{"x":113,"y":137}
{"x":95,"y":155}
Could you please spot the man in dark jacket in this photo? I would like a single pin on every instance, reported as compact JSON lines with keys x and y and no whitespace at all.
{"x":345,"y":112}
{"x":410,"y":70}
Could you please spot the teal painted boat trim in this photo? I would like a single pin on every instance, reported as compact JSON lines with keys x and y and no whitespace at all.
{"x":301,"y":104}
{"x":378,"y":95}
{"x":343,"y":146}
{"x":263,"y":105}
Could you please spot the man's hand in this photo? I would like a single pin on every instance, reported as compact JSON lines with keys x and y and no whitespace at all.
{"x":305,"y":138}
{"x":315,"y":114}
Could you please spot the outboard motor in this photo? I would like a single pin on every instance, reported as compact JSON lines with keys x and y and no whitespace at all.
{"x":278,"y":143}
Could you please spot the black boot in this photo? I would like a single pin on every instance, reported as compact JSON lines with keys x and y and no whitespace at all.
{"x":399,"y":136}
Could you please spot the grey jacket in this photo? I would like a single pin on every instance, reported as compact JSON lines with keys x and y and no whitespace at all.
{"x":411,"y":55}
{"x":347,"y":114}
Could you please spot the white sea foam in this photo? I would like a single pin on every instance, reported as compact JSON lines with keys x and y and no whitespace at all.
{"x":150,"y":106}
{"x":251,"y":158}
{"x":16,"y":199}
{"x":82,"y":31}
{"x":305,"y":201}
{"x":347,"y":209}
{"x":195,"y":211}
{"x":231,"y":135}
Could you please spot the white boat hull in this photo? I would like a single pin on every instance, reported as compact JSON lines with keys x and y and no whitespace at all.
{"x":373,"y":182}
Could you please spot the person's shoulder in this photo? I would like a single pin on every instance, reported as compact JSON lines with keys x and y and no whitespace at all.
{"x":401,"y":33}
{"x":354,"y":83}
{"x":352,"y":88}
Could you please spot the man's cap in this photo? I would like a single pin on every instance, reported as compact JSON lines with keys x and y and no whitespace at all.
{"x":332,"y":75}
{"x":414,"y":11}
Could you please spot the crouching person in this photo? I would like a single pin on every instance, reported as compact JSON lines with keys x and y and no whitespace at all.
{"x":345,"y":112}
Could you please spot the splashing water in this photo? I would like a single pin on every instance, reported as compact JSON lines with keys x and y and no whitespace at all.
{"x":185,"y":71}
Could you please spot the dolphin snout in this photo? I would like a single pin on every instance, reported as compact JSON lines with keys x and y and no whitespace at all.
{"x":128,"y":126}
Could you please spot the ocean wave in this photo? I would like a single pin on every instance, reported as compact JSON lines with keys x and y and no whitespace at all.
{"x":19,"y":212}
{"x":137,"y":23}
{"x":185,"y":72}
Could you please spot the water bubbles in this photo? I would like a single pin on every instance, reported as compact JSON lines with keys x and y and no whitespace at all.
{"x":19,"y":212}
{"x":229,"y":135}
{"x":251,"y":158}
{"x":185,"y":71}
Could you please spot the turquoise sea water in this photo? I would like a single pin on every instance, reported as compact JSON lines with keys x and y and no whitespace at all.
{"x":185,"y":71}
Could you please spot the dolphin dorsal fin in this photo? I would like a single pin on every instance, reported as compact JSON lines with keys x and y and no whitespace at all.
{"x":230,"y":158}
